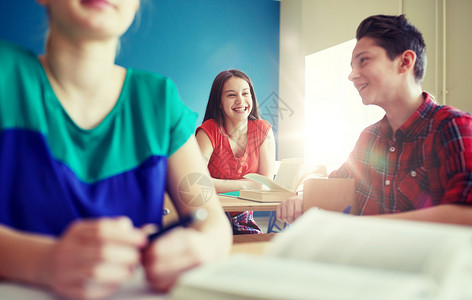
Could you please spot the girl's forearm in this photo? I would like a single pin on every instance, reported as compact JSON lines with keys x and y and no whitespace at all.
{"x":24,"y":257}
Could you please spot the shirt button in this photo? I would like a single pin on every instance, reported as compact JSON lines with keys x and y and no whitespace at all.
{"x":392,"y":149}
{"x":387,"y":182}
{"x":413,"y":174}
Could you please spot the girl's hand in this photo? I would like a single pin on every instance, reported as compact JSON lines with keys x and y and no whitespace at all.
{"x":93,"y":258}
{"x":175,"y":252}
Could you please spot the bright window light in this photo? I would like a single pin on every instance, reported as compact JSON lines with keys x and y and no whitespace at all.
{"x":334,"y":113}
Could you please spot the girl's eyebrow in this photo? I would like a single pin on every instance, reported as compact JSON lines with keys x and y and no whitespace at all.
{"x":233,"y":91}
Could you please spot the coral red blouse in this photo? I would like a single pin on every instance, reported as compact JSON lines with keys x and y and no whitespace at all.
{"x":223,"y":164}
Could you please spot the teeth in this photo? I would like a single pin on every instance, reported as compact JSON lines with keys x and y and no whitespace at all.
{"x":362,"y":87}
{"x":240,"y":109}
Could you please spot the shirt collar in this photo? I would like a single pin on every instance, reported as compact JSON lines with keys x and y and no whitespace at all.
{"x":385,"y":129}
{"x":415,"y":124}
{"x":413,"y":127}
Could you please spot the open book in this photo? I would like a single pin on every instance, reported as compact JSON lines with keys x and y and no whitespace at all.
{"x":327,"y":255}
{"x":288,"y":179}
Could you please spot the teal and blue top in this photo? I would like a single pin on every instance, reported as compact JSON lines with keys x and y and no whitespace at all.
{"x":53,"y":172}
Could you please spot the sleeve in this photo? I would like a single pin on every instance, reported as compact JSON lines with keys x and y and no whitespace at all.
{"x":182,"y":119}
{"x":265,"y":127}
{"x":456,"y":152}
{"x":20,"y":79}
{"x":210,"y":127}
{"x":261,"y":129}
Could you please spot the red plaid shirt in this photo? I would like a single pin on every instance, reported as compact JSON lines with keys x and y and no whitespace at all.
{"x":426,"y":162}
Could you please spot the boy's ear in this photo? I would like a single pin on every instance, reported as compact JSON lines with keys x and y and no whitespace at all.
{"x":407,"y":61}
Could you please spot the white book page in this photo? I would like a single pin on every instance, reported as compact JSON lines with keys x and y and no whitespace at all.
{"x":414,"y":247}
{"x":275,"y":278}
{"x":288,"y":174}
{"x":271,"y":185}
{"x":286,"y":179}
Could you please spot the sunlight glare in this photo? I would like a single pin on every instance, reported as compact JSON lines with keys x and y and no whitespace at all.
{"x":334,"y":113}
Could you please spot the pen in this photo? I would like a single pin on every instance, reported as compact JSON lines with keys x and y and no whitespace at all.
{"x":347,"y":210}
{"x":197,"y":216}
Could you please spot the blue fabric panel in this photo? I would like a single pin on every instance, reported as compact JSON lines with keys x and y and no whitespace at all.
{"x":49,"y":196}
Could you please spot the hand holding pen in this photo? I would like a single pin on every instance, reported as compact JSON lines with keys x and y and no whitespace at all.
{"x":197,"y":216}
{"x":170,"y":252}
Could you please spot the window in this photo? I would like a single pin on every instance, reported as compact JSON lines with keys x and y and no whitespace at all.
{"x":334,"y":113}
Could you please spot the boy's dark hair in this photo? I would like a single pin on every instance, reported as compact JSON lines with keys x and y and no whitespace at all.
{"x":396,"y":35}
{"x":213,"y":109}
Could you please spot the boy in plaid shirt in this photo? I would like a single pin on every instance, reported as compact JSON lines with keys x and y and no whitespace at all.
{"x":415,"y":163}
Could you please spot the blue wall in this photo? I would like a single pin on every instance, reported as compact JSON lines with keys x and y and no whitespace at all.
{"x":190,"y":41}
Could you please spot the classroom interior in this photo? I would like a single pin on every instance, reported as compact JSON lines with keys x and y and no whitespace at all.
{"x":296,"y":52}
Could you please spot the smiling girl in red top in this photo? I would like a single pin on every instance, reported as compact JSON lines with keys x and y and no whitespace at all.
{"x":235,"y":142}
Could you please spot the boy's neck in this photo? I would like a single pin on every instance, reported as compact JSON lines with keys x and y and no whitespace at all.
{"x":404,"y":106}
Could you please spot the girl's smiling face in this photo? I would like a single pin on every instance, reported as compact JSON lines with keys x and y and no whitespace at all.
{"x":236,"y":99}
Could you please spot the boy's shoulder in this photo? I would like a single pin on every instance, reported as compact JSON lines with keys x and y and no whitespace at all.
{"x":446,"y":117}
{"x":446,"y":111}
{"x":440,"y":111}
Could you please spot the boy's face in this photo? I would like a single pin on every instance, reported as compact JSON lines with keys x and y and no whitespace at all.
{"x":374,"y":74}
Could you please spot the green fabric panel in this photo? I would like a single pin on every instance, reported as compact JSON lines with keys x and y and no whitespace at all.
{"x":148,"y":119}
{"x":17,"y":108}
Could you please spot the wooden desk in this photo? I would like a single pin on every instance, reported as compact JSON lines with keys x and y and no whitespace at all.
{"x":236,"y":204}
{"x":251,"y":243}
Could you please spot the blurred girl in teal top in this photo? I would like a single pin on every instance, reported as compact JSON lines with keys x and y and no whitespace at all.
{"x":87,"y":151}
